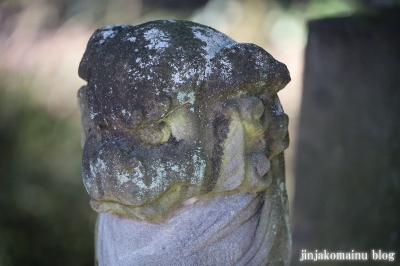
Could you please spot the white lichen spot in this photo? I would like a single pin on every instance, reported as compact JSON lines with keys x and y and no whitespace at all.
{"x":175,"y":168}
{"x":97,"y":167}
{"x":93,"y":170}
{"x":184,"y":73}
{"x":226,"y":68}
{"x":213,"y":40}
{"x":259,"y":60}
{"x":157,"y":38}
{"x":282,"y":186}
{"x":199,"y":168}
{"x":176,"y":77}
{"x":100,"y":164}
{"x":109,"y":32}
{"x":93,"y":115}
{"x":123,"y":177}
{"x":124,"y":113}
{"x":186,"y":97}
{"x":161,"y":174}
{"x":226,"y":64}
{"x":132,"y":39}
{"x":137,"y":177}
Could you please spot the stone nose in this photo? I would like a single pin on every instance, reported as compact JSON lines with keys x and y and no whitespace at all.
{"x":114,"y":154}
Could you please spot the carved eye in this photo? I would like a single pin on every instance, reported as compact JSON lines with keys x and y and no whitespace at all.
{"x":157,"y":107}
{"x":257,"y":110}
{"x":251,"y":108}
{"x":134,"y":118}
{"x":156,"y":134}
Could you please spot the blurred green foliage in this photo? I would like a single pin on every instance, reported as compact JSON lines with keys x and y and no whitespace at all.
{"x":45,"y":216}
{"x":319,"y":9}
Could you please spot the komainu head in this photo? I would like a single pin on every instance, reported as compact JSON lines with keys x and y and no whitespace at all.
{"x":174,"y":110}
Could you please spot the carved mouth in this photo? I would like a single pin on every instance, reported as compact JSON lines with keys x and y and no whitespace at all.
{"x":152,"y":210}
{"x":138,"y":177}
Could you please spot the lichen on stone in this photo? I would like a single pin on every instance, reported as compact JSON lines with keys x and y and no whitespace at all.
{"x":175,"y":110}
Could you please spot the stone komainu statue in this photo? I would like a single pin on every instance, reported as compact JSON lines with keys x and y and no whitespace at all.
{"x":183,"y":156}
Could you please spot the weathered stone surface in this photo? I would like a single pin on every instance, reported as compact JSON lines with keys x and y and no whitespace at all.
{"x":218,"y":230}
{"x":178,"y":118}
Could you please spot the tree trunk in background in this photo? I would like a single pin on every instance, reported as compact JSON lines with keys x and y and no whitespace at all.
{"x":348,"y":155}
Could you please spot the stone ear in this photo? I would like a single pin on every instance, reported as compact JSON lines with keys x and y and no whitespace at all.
{"x":245,"y":68}
{"x":85,"y":70}
{"x":96,"y":51}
